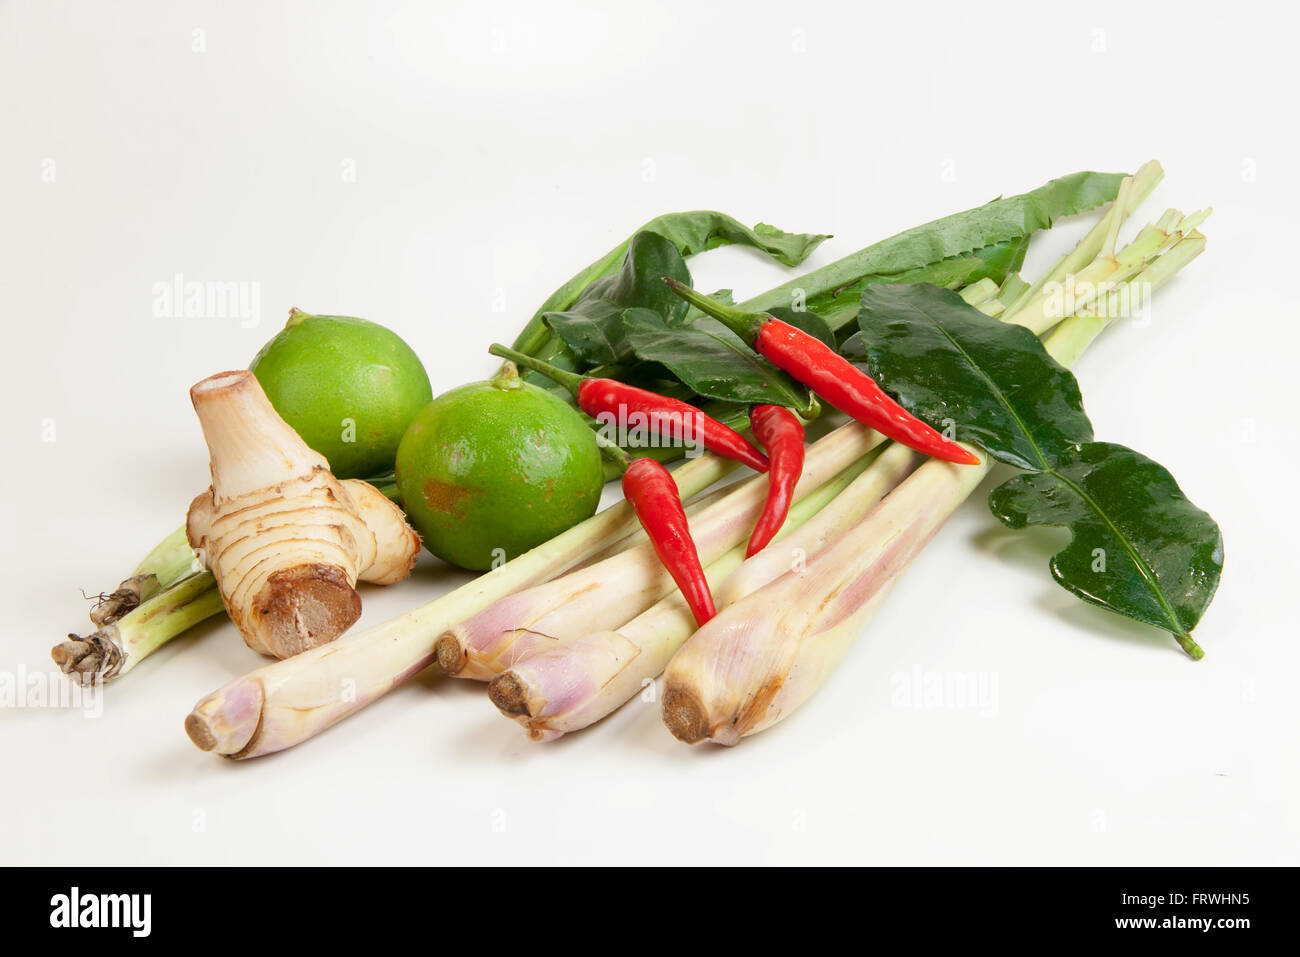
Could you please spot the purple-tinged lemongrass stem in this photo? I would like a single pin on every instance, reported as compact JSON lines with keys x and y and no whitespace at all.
{"x":609,"y":593}
{"x":287,"y":702}
{"x":569,"y":687}
{"x":766,"y":654}
{"x":895,"y":463}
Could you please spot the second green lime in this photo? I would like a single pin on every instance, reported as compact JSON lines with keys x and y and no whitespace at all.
{"x":491,"y":469}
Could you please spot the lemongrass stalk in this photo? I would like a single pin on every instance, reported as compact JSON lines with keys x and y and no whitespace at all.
{"x":638,"y":535}
{"x":984,"y":296}
{"x":120,"y":645}
{"x":571,"y":686}
{"x":1138,"y":188}
{"x":586,"y":678}
{"x":608,"y":593}
{"x":1012,"y":288}
{"x":762,"y":657}
{"x":1069,"y":340}
{"x":171,"y":560}
{"x":1075,"y":293}
{"x":894,"y":464}
{"x":1112,"y":268}
{"x":287,"y":702}
{"x":1038,"y":307}
{"x":979,"y":293}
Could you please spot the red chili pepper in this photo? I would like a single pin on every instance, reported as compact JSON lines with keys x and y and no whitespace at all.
{"x":654,"y":496}
{"x":829,"y":375}
{"x":781,"y":434}
{"x":664,"y":415}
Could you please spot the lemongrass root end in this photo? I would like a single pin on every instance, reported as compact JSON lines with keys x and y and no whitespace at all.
{"x":95,"y":656}
{"x":199,"y":732}
{"x":227,"y":721}
{"x":451,"y":654}
{"x":685,"y":716}
{"x":124,"y":600}
{"x":509,"y":694}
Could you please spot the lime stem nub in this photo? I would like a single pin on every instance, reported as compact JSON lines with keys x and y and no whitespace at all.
{"x":570,"y":380}
{"x":507,"y":377}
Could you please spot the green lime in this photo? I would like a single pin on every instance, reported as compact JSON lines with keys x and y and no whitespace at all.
{"x":347,"y":386}
{"x":492,"y":469}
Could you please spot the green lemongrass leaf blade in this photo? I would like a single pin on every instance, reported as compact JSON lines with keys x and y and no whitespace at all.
{"x":702,"y":230}
{"x":1003,"y":219}
{"x":998,"y":230}
{"x":1002,"y":259}
{"x":992,"y":383}
{"x":713,"y":361}
{"x":1138,"y":546}
{"x":840,"y":307}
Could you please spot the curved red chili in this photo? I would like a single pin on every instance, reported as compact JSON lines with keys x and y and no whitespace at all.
{"x":829,"y":375}
{"x":654,"y":496}
{"x":667,"y":416}
{"x":852,"y":391}
{"x":679,"y":420}
{"x":780,"y":432}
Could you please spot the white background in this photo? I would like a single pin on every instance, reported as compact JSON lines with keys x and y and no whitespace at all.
{"x":497,"y":148}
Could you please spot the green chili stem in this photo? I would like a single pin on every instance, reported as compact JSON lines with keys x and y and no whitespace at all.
{"x":743,"y":324}
{"x":614,"y":452}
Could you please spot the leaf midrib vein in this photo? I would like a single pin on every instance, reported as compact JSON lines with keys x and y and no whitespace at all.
{"x":997,"y":391}
{"x":1146,"y":571}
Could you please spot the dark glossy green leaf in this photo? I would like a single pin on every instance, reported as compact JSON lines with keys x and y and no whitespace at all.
{"x":592,"y":327}
{"x":640,"y":283}
{"x":809,"y":322}
{"x":691,"y":232}
{"x":1137,"y":547}
{"x":995,"y":234}
{"x":952,"y":366}
{"x":593,"y":332}
{"x":713,"y":361}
